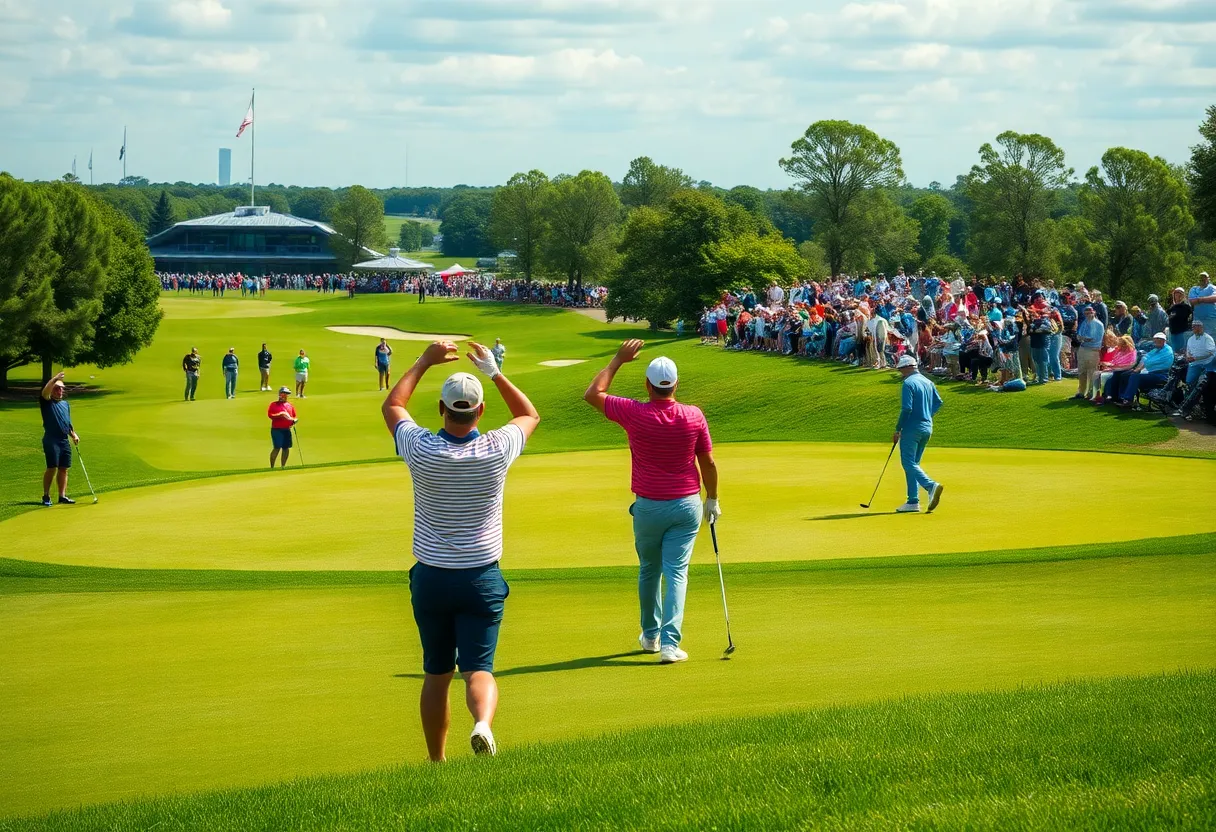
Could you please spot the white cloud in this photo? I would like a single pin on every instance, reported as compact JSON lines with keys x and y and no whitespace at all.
{"x":208,"y":14}
{"x":245,"y":61}
{"x":924,"y":55}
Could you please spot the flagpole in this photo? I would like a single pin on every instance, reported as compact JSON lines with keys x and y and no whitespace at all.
{"x":253,"y":135}
{"x":90,"y":167}
{"x":124,"y":151}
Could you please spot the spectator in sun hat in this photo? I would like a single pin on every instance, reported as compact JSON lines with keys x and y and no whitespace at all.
{"x":668,"y":443}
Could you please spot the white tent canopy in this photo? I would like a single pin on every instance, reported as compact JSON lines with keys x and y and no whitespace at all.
{"x":394,"y":262}
{"x":455,"y":269}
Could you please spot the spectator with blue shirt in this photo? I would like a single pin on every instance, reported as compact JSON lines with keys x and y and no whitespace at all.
{"x":1090,"y":333}
{"x":1150,"y":373}
{"x":920,"y":402}
{"x":1203,"y":302}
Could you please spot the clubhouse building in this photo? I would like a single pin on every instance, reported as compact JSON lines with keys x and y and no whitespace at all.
{"x":252,"y":240}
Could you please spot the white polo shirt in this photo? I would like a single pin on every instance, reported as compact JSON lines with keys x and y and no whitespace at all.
{"x":458,"y":488}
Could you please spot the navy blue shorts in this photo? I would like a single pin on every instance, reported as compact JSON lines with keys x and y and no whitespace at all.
{"x":58,"y":452}
{"x":458,"y":612}
{"x":281,"y":437}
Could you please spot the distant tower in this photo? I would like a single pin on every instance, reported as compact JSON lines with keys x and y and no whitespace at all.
{"x":225,"y":166}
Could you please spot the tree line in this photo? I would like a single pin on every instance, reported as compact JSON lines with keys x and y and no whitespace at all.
{"x":77,"y":283}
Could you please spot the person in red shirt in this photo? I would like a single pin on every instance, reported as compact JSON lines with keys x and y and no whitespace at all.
{"x":668,"y":442}
{"x":283,"y":418}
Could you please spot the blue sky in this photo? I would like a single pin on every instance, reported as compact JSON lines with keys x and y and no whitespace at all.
{"x":480,"y":89}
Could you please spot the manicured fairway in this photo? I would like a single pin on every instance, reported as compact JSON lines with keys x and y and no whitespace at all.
{"x":361,"y":517}
{"x":211,"y":624}
{"x":114,"y":694}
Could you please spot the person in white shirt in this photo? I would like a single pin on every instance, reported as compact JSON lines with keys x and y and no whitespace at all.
{"x":1200,"y":350}
{"x":456,"y":589}
{"x":776,"y":295}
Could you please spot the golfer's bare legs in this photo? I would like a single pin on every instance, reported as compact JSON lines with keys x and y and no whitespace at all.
{"x":480,"y":695}
{"x":63,"y":481}
{"x":273,"y":456}
{"x":48,"y":476}
{"x":286,"y":453}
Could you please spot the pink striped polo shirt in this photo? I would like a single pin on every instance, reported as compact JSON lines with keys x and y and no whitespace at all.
{"x":664,"y":440}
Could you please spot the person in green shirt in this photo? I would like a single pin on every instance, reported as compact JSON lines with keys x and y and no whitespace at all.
{"x":301,"y":364}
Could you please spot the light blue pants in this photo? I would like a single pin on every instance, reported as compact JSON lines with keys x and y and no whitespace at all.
{"x":1054,"y":344}
{"x":1178,"y":341}
{"x":191,"y":385}
{"x":229,"y":382}
{"x":1196,"y":369}
{"x":912,"y":444}
{"x":663,"y":534}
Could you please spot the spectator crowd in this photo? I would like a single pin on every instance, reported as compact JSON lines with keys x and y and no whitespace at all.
{"x":997,"y":334}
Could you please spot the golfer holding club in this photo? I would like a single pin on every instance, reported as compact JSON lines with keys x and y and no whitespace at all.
{"x":283,"y":418}
{"x":668,"y":441}
{"x":920,"y":401}
{"x":456,"y":588}
{"x":56,"y":432}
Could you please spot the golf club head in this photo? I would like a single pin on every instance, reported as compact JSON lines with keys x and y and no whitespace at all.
{"x":730,"y":648}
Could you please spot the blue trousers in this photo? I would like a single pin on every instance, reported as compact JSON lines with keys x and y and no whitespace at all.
{"x":1196,"y":369}
{"x":1054,"y":343}
{"x":229,"y":382}
{"x":912,"y":444}
{"x":664,"y":532}
{"x":1141,"y":381}
{"x":1041,"y":359}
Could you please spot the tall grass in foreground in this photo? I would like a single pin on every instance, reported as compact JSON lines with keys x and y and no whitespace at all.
{"x":1115,"y":754}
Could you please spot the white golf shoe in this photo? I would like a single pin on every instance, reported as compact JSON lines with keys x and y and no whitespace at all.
{"x":908,"y":508}
{"x":935,"y":496}
{"x":482,"y":740}
{"x":670,"y":654}
{"x":649,"y":645}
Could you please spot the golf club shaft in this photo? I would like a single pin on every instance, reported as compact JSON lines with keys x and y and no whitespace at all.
{"x":299,"y":450}
{"x":84,"y":468}
{"x":890,"y":454}
{"x":713,"y":533}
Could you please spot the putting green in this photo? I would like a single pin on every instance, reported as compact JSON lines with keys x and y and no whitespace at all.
{"x":113,"y":695}
{"x":782,"y":502}
{"x":198,"y":309}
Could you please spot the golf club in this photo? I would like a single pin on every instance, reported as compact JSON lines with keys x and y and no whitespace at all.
{"x":299,"y":452}
{"x":86,"y":472}
{"x":730,"y":642}
{"x":880,"y":476}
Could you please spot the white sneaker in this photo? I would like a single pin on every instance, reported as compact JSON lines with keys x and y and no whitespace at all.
{"x":908,"y":508}
{"x":482,"y":740}
{"x":649,"y":645}
{"x":670,"y":654}
{"x":935,"y":496}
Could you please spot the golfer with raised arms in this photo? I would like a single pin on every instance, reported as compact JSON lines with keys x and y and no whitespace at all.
{"x":456,"y":588}
{"x":57,"y":430}
{"x":920,"y":401}
{"x":667,"y":441}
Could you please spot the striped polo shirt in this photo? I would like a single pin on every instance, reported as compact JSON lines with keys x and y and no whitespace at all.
{"x":664,"y":440}
{"x":458,"y":489}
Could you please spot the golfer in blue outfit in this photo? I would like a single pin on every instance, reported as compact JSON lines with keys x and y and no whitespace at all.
{"x":920,"y":401}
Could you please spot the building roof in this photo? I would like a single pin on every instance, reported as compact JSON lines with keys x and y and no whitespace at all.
{"x":394,"y":262}
{"x":247,"y":216}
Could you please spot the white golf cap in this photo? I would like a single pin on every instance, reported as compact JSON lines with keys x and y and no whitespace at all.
{"x":662,"y":373}
{"x":1160,"y":335}
{"x":905,"y":361}
{"x":462,"y":393}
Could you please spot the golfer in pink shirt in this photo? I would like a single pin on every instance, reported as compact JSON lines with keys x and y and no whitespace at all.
{"x":668,"y":442}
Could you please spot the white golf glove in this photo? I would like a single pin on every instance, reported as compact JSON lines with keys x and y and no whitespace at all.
{"x":712,"y":511}
{"x":483,"y":360}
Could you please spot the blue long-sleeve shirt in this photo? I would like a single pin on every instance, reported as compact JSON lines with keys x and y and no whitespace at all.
{"x":1090,"y":332}
{"x":920,"y":401}
{"x":1158,"y":360}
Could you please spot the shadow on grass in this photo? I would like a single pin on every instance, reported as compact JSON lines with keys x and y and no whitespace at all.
{"x":851,"y":516}
{"x":610,"y":660}
{"x":622,"y":332}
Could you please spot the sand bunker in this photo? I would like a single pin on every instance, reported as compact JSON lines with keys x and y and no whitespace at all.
{"x":563,"y":362}
{"x":396,"y":334}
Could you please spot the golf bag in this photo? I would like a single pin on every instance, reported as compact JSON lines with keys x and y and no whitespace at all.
{"x":1194,"y":405}
{"x":1167,"y":397}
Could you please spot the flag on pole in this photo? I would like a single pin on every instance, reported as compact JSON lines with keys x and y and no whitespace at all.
{"x":245,"y":122}
{"x":73,"y":166}
{"x":90,"y":159}
{"x":123,"y":150}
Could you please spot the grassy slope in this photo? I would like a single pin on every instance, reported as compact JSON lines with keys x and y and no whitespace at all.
{"x":150,"y":683}
{"x":1120,"y":753}
{"x":147,"y":434}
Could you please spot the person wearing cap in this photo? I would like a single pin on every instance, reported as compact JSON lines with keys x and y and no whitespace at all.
{"x":668,"y":442}
{"x":57,"y":438}
{"x":282,"y":414}
{"x":1156,"y":317}
{"x":920,"y":402}
{"x":456,"y":588}
{"x":1150,"y":372}
{"x":264,"y":359}
{"x":301,"y":365}
{"x":230,"y":365}
{"x":191,"y":365}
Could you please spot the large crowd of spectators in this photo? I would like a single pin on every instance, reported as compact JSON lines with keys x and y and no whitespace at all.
{"x":472,"y":285}
{"x":997,"y":334}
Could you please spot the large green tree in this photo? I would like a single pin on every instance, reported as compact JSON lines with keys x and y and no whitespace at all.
{"x":313,"y":204}
{"x":27,"y":262}
{"x":1013,"y":190}
{"x":649,"y":183}
{"x":465,"y":224}
{"x":933,"y":212}
{"x":130,"y":297}
{"x":519,"y":218}
{"x":1135,"y":219}
{"x":162,"y":215}
{"x":583,"y":216}
{"x":358,"y":222}
{"x":1202,"y":170}
{"x":836,"y":163}
{"x":680,"y":257}
{"x":409,"y":236}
